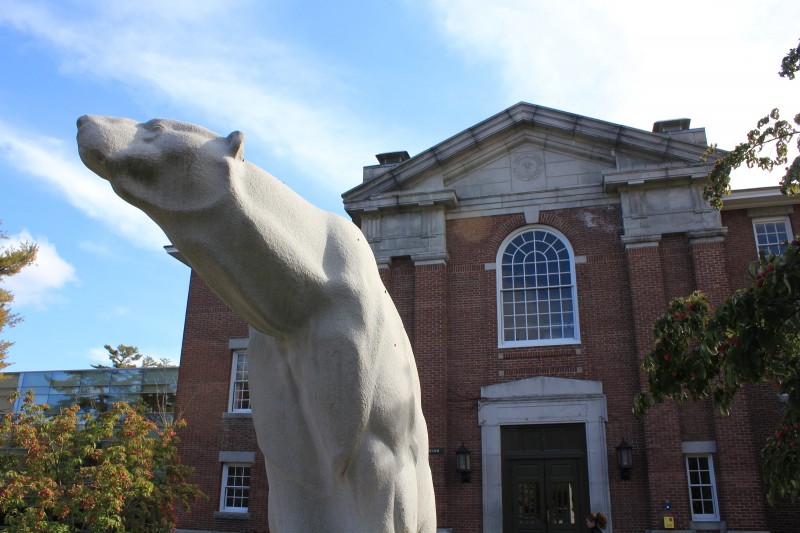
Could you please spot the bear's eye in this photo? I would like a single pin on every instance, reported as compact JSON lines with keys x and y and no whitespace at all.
{"x":155,"y":126}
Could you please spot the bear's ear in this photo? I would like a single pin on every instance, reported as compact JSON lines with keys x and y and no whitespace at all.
{"x":235,"y":144}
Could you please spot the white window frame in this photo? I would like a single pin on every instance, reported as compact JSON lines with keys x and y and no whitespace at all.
{"x":707,"y":517}
{"x":501,"y":341}
{"x":232,"y":408}
{"x":223,"y":496}
{"x":766,"y":220}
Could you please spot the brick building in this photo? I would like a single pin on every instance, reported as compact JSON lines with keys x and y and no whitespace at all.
{"x":529,"y":256}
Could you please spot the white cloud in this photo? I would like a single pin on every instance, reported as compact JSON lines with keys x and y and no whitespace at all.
{"x":634,"y":62}
{"x":46,"y":159}
{"x":98,"y":356}
{"x":233,"y":75}
{"x":39,"y":284}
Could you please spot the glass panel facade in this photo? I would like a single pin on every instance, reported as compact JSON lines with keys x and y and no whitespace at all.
{"x":96,"y":390}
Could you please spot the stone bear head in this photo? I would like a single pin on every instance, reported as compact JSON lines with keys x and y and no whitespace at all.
{"x":161,"y":166}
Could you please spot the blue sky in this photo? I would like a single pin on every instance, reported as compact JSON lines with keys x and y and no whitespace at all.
{"x":319,"y":88}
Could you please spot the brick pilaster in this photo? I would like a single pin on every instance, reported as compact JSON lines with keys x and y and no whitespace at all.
{"x":665,"y":468}
{"x":737,"y":461}
{"x":430,"y":351}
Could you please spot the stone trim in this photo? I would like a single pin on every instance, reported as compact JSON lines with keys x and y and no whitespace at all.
{"x":237,"y":415}
{"x":393,"y":201}
{"x":542,"y":400}
{"x":531,"y":213}
{"x":237,"y":457}
{"x":699,"y":446}
{"x":771,"y":211}
{"x":707,"y":236}
{"x":614,"y":179}
{"x":429,"y":259}
{"x":643,"y":244}
{"x":238,"y":344}
{"x":231,"y":516}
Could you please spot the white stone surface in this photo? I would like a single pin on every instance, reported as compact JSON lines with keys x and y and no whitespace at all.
{"x":335,"y":391}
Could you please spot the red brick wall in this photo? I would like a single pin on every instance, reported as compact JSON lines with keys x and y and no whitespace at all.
{"x":202,"y":399}
{"x":765,"y":410}
{"x":450,"y":315}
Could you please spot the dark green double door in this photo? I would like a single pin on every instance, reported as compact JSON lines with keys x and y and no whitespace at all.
{"x":545,"y":488}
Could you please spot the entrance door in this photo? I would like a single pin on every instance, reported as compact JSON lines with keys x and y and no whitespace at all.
{"x":545,"y":494}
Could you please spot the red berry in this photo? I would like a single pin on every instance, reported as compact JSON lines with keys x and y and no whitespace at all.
{"x":667,"y":357}
{"x":674,"y":373}
{"x":770,"y":267}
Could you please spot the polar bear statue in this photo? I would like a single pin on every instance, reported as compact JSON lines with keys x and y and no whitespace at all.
{"x":335,"y":390}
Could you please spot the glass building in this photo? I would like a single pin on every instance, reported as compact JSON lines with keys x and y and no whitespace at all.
{"x":96,"y":389}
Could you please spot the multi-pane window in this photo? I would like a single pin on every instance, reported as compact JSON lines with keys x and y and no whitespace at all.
{"x":702,"y":487}
{"x":536,"y":286}
{"x":772,"y":234}
{"x":235,"y":487}
{"x":240,"y":388}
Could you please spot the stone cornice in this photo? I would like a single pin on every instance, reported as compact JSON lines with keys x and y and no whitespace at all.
{"x":758,"y":197}
{"x":388,"y":201}
{"x":614,"y":179}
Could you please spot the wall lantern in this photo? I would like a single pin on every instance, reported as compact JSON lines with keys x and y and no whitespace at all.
{"x":462,"y":463}
{"x":624,"y":459}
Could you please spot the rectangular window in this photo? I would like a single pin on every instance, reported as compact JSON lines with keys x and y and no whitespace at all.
{"x":235,"y":488}
{"x":240,"y":388}
{"x":702,"y":487}
{"x":771,"y":234}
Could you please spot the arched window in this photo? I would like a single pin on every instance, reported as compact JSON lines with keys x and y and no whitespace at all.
{"x":536,"y":300}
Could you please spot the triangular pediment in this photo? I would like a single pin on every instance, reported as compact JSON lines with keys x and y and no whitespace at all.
{"x":524,"y":149}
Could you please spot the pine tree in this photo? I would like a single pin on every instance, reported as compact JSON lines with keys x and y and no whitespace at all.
{"x":12,"y":260}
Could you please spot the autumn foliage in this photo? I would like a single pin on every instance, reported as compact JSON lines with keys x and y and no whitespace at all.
{"x":114,"y":471}
{"x":752,"y":337}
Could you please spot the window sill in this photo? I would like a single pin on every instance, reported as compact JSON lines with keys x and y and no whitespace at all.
{"x":232,"y":515}
{"x":708,"y":525}
{"x":235,"y":416}
{"x":509,"y":345}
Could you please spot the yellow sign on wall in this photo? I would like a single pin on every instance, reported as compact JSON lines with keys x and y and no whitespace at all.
{"x":669,"y":522}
